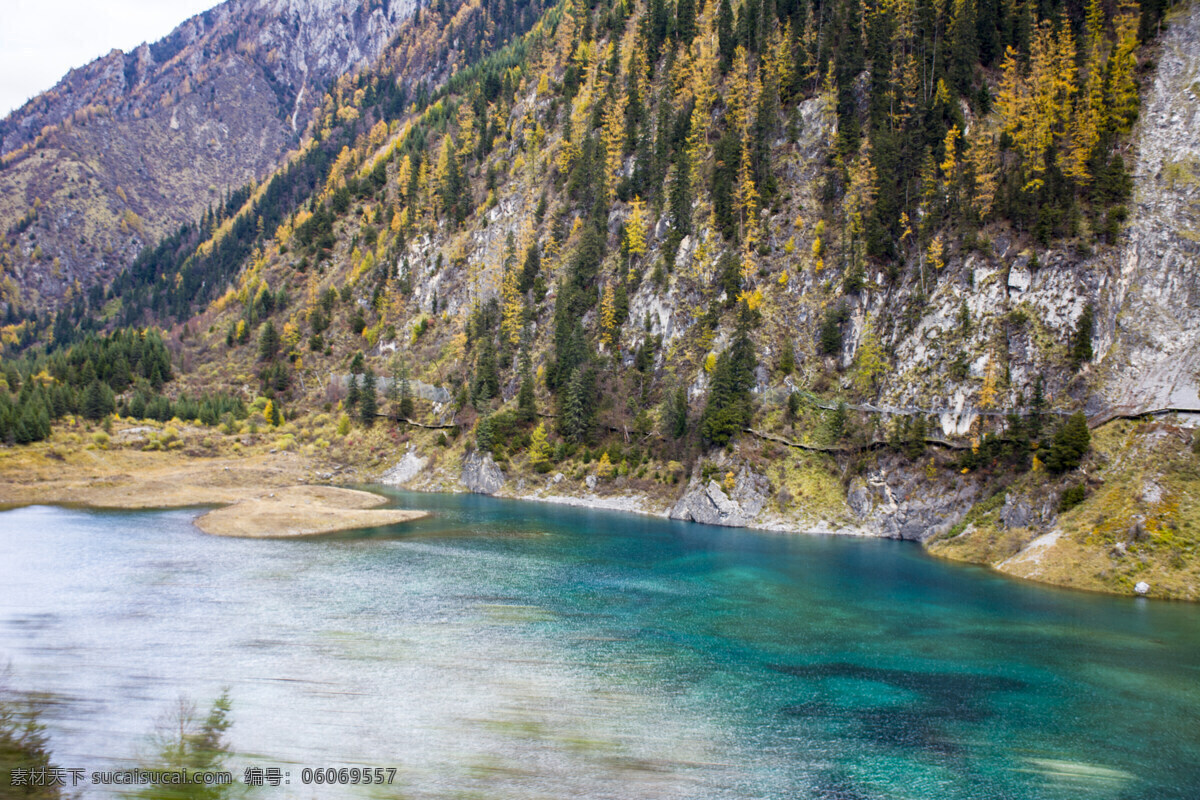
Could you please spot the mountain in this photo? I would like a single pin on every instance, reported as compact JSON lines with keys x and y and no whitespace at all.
{"x":126,"y":149}
{"x":904,"y":269}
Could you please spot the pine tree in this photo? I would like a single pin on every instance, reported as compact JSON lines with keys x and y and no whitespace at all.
{"x":787,"y":358}
{"x":685,"y":21}
{"x":574,"y":416}
{"x":352,"y":393}
{"x":681,"y":203}
{"x":526,"y":400}
{"x":368,"y":402}
{"x":404,"y":395}
{"x":1069,"y":445}
{"x":268,"y":342}
{"x":530,"y":269}
{"x":675,"y":413}
{"x":725,"y":38}
{"x":964,"y":45}
{"x":96,"y":401}
{"x":728,"y":409}
{"x":1081,"y":340}
{"x":487,"y":376}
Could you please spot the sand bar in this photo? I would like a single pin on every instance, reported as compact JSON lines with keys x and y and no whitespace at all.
{"x":127,"y":478}
{"x":303,"y":511}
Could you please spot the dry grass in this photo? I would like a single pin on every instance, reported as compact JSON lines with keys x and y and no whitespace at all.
{"x":302,"y":511}
{"x":1140,"y":521}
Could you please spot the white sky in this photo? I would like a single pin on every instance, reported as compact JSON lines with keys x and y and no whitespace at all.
{"x":41,"y":39}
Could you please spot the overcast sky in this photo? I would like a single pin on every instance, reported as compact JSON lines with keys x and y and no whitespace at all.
{"x":41,"y":39}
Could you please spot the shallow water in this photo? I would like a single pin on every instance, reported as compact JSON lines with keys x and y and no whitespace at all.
{"x":512,"y":650}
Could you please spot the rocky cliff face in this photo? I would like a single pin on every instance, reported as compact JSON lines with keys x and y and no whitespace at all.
{"x":134,"y":144}
{"x":1150,"y":351}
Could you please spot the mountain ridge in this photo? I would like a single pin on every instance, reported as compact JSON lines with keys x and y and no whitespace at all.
{"x":125,"y":149}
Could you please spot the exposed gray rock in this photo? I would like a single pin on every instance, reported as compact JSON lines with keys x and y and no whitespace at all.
{"x":1146,"y":341}
{"x":1018,"y":280}
{"x":480,"y":474}
{"x":910,"y":508}
{"x":409,"y":467}
{"x":710,"y":504}
{"x":419,"y":389}
{"x":1015,"y":513}
{"x":859,"y":498}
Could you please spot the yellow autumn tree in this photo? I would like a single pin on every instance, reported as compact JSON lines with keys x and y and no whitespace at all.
{"x":635,"y":228}
{"x":869,"y":362}
{"x":987,"y":393}
{"x":539,"y":445}
{"x":512,"y":309}
{"x":935,"y":253}
{"x":608,"y":316}
{"x":614,"y":142}
{"x":605,"y":468}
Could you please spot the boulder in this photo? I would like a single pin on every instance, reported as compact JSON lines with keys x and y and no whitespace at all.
{"x":858,"y":499}
{"x":710,"y":504}
{"x":480,"y":474}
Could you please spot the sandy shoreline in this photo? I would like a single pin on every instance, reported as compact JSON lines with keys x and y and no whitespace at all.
{"x":303,"y":511}
{"x":262,"y":495}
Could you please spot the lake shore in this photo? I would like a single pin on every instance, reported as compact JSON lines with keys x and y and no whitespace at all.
{"x":303,"y":511}
{"x":263,"y":493}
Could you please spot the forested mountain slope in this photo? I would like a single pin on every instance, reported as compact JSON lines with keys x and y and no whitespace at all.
{"x":127,"y":148}
{"x":809,"y":265}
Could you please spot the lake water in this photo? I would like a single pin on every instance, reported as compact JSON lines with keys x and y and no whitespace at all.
{"x":513,"y":650}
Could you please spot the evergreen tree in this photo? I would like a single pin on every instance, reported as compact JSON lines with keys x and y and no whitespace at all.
{"x":685,"y":21}
{"x":787,"y":358}
{"x":352,"y":394}
{"x":526,"y":405}
{"x":368,"y":401}
{"x":268,"y":342}
{"x":728,"y":409}
{"x":681,"y":203}
{"x":1069,"y":445}
{"x":830,"y":338}
{"x":675,"y":413}
{"x":404,"y":405}
{"x":726,"y":43}
{"x":487,"y":376}
{"x":575,"y":414}
{"x":97,"y":401}
{"x":530,"y":269}
{"x":1081,"y":341}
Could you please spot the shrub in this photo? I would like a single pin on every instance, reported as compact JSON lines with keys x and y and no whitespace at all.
{"x":1071,"y":497}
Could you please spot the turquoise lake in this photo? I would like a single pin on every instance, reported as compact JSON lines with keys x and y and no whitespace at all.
{"x":503,"y":649}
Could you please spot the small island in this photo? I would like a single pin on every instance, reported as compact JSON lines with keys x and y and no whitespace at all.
{"x":303,"y":511}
